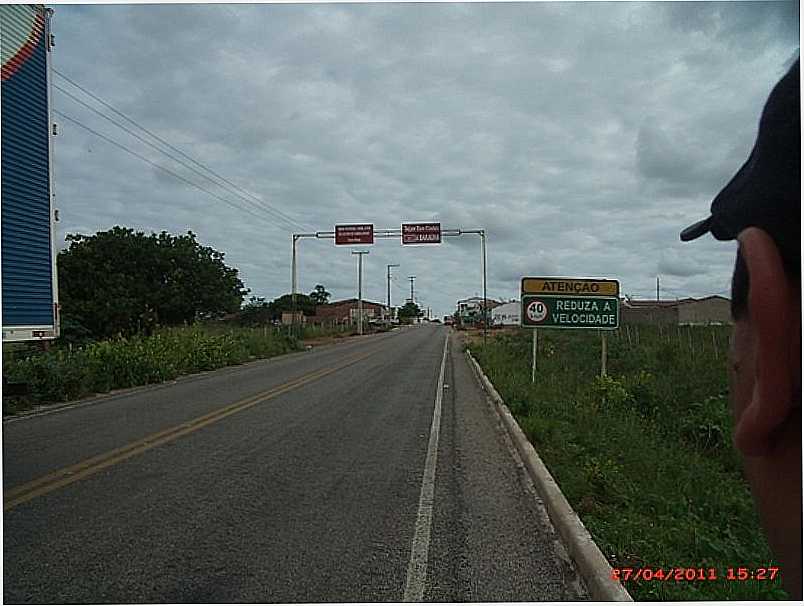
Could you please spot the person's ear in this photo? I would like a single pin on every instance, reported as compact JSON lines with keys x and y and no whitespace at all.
{"x":774,"y":315}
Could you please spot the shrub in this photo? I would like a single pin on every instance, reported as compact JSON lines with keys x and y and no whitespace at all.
{"x":99,"y":367}
{"x":611,"y":390}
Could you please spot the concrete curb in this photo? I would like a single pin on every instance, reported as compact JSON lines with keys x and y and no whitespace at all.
{"x":591,"y":563}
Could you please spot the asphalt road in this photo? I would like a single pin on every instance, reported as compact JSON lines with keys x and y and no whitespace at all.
{"x":296,"y":479}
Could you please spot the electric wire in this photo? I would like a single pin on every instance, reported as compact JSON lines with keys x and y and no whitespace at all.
{"x":161,"y":140}
{"x":162,"y":168}
{"x":263,"y":204}
{"x":174,"y":158}
{"x":406,"y":292}
{"x":133,"y":134}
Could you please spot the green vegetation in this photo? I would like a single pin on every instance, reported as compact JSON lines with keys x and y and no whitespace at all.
{"x":335,"y":330}
{"x":409,"y":311}
{"x":66,"y":374}
{"x":320,"y":296}
{"x":644,"y":454}
{"x":258,"y":311}
{"x":126,"y":282}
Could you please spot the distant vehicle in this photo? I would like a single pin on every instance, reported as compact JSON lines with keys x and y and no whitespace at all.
{"x":30,"y":290}
{"x":449,"y":320}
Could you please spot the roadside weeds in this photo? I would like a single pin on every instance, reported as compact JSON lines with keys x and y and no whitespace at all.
{"x":643,"y":455}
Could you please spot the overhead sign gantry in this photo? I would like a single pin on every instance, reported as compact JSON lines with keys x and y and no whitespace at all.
{"x":409,"y":233}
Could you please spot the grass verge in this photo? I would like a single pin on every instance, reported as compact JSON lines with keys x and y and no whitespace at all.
{"x":643,"y":455}
{"x":62,"y":375}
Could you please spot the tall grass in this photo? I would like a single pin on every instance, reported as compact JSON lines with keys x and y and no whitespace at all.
{"x":62,"y":374}
{"x":335,"y":330}
{"x":644,"y":454}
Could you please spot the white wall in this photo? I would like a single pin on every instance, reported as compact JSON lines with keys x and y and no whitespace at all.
{"x":506,"y":315}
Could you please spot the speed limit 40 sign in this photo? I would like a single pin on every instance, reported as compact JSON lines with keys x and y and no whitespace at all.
{"x":536,"y":311}
{"x":570,"y":303}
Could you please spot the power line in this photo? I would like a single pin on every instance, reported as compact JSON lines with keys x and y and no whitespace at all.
{"x":172,"y":157}
{"x":264,"y":205}
{"x":396,"y":284}
{"x":158,"y":138}
{"x":154,"y":164}
{"x":405,"y":292}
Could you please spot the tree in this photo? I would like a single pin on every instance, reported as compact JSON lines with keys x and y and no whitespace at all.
{"x":122,"y":281}
{"x":320,"y":296}
{"x":409,"y":310}
{"x":255,"y":312}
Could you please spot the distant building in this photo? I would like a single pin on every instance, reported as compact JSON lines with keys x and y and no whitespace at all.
{"x":507,"y":314}
{"x":346,"y":312}
{"x":633,"y":311}
{"x":471,"y":310}
{"x":707,"y":310}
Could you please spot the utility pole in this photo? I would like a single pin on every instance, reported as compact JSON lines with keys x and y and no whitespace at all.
{"x":389,"y":287}
{"x":657,"y":289}
{"x":411,"y":278}
{"x":292,"y":326}
{"x":360,"y":254}
{"x":485,"y":299}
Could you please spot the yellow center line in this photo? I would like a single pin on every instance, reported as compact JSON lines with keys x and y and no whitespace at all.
{"x":73,"y":473}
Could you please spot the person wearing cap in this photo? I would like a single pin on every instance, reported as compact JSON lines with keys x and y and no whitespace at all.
{"x":761,"y":208}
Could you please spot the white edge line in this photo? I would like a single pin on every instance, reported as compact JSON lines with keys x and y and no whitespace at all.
{"x":417,"y":567}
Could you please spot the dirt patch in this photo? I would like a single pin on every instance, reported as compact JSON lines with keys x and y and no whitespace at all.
{"x":472,"y":336}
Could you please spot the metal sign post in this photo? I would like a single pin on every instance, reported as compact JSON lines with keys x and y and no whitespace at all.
{"x":603,"y":353}
{"x":533,"y":367}
{"x":292,"y":326}
{"x":388,"y":269}
{"x":360,"y":254}
{"x":485,"y":297}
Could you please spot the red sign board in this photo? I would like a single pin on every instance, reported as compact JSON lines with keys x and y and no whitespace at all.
{"x":421,"y":233}
{"x":354,"y":234}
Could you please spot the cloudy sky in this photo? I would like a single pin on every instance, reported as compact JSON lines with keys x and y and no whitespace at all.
{"x":581,"y":136}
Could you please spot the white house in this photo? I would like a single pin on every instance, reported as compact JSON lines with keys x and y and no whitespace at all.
{"x":506,"y":314}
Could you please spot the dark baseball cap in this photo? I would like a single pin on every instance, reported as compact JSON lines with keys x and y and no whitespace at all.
{"x":766,"y":191}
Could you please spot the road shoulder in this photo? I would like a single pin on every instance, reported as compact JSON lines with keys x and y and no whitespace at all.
{"x":590,"y":561}
{"x":493,"y":540}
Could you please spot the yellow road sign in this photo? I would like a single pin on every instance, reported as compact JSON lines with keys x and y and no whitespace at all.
{"x":570,"y":286}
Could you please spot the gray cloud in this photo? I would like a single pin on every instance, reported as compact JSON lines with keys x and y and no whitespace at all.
{"x":678,"y":266}
{"x":581,"y":136}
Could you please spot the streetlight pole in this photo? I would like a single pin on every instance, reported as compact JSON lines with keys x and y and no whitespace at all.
{"x":360,"y":254}
{"x":293,"y":287}
{"x":389,"y":287}
{"x":485,"y":299}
